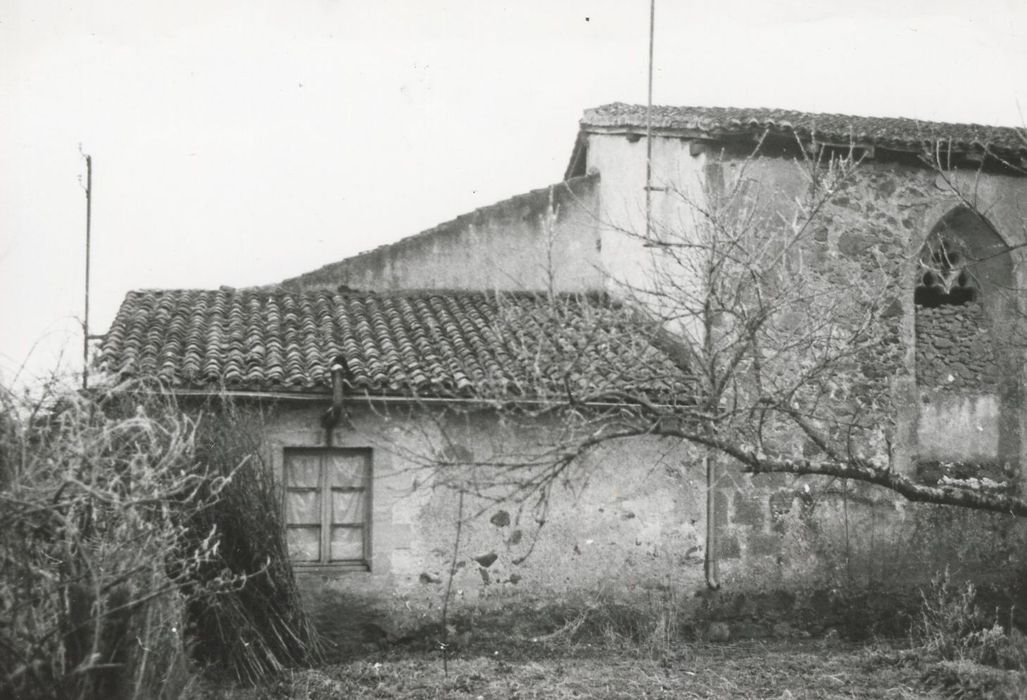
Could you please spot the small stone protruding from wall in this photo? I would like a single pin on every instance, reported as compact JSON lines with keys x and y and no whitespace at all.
{"x":486,"y":560}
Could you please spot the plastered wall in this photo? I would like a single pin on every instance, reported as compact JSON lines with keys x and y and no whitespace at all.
{"x":624,"y":525}
{"x":544,"y":239}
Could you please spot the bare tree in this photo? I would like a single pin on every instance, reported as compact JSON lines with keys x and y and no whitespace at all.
{"x":787,"y":352}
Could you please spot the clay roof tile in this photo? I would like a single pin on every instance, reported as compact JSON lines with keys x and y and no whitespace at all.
{"x":406,"y":343}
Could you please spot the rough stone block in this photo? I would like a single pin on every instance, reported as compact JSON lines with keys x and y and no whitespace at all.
{"x":487,"y":560}
{"x":728,"y":547}
{"x":853,"y":244}
{"x":720,"y":502}
{"x":764,"y":544}
{"x":781,"y":502}
{"x":748,"y":510}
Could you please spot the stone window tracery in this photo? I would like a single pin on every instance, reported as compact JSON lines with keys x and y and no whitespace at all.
{"x":945,"y":277}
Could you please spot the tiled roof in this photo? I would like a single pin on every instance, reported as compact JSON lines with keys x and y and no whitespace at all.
{"x":469,"y":344}
{"x":897,"y":133}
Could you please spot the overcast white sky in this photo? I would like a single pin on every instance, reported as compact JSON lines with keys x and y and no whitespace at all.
{"x":239,"y":143}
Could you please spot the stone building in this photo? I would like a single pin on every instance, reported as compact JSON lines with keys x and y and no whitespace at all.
{"x":402,"y":340}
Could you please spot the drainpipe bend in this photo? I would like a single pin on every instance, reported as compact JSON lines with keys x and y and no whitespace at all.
{"x":333,"y":413}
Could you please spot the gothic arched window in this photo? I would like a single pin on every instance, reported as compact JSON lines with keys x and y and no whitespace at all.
{"x":963,"y":304}
{"x":966,"y":352}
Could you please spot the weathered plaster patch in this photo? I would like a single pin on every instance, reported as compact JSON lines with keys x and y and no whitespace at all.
{"x":959,"y":427}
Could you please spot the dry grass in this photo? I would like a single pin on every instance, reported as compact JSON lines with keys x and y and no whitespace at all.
{"x":779,"y":669}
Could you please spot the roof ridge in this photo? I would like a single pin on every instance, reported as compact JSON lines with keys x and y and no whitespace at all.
{"x":412,"y":292}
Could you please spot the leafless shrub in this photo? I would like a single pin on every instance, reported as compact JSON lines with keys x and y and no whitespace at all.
{"x":97,"y":555}
{"x":122,"y":541}
{"x":254,"y":631}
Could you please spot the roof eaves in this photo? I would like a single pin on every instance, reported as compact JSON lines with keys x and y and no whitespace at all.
{"x":312,"y":397}
{"x":1006,"y":144}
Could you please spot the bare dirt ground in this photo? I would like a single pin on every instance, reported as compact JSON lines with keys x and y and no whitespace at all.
{"x":765,"y":669}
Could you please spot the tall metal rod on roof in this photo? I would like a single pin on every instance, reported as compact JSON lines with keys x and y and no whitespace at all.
{"x":649,"y":132}
{"x":89,"y":219}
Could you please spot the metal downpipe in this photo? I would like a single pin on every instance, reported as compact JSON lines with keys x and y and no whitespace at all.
{"x":710,"y":566}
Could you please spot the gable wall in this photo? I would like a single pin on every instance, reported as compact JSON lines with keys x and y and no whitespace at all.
{"x":620,"y":162}
{"x":506,"y":246}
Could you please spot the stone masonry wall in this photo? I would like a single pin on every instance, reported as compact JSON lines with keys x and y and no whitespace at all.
{"x":873,"y":231}
{"x":954,"y":350}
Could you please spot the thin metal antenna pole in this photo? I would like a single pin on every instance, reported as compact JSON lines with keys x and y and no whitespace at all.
{"x":85,"y":318}
{"x":649,"y":131}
